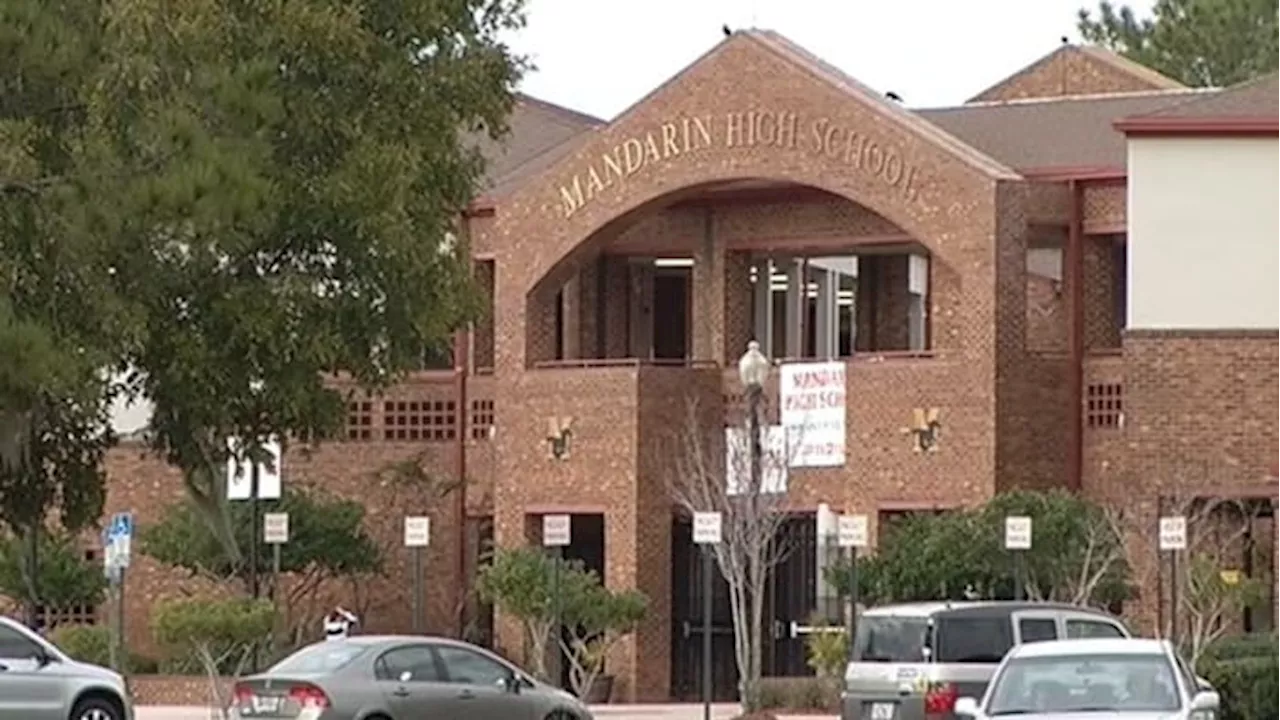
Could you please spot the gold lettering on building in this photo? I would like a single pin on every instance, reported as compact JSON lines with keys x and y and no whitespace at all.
{"x":745,"y":129}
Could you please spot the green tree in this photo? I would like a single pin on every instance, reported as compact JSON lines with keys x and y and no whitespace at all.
{"x":1077,"y":554}
{"x":66,"y":578}
{"x":61,"y":323}
{"x":287,"y":182}
{"x":1201,"y":43}
{"x":327,"y":540}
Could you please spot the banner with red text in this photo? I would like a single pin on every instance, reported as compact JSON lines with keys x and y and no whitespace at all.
{"x":813,"y":412}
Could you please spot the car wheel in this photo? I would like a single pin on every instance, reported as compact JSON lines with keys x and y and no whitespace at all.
{"x":561,"y":715}
{"x":96,"y":708}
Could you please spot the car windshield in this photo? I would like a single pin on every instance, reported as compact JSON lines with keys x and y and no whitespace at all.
{"x":1085,"y":683}
{"x":890,"y":639}
{"x":324,"y":657}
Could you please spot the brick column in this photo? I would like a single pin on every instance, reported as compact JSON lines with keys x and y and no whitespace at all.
{"x":589,"y":309}
{"x":616,"y":299}
{"x":708,"y":294}
{"x":738,"y":329}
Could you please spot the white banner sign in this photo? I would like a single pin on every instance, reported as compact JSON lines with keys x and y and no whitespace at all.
{"x":813,"y":412}
{"x":773,"y":460}
{"x":240,"y":473}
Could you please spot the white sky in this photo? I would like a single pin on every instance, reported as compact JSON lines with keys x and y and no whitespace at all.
{"x":600,"y":56}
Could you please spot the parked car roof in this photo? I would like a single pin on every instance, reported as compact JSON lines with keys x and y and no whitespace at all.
{"x":925,"y":609}
{"x":1092,"y":646}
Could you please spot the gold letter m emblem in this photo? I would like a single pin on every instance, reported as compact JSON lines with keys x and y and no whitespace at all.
{"x":925,"y":429}
{"x":559,"y":433}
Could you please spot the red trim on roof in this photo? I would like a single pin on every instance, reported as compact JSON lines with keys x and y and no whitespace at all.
{"x":1068,"y":172}
{"x":1172,"y":126}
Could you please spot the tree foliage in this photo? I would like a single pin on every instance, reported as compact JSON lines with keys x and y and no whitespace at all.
{"x":327,"y":540}
{"x":221,"y":633}
{"x":66,"y":578}
{"x":524,"y":583}
{"x":1201,"y":43}
{"x":1077,"y":554}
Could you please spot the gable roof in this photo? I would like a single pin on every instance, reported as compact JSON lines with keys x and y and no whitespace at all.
{"x":1056,"y":132}
{"x":535,"y":126}
{"x":1250,"y":107}
{"x":1077,"y":70}
{"x":878,"y":102}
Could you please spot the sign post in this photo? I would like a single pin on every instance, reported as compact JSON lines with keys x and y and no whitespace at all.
{"x":417,"y":536}
{"x":117,"y":546}
{"x":557,"y":533}
{"x":275,"y":532}
{"x":707,"y":533}
{"x":1173,"y":537}
{"x":1017,"y":539}
{"x":851,"y":532}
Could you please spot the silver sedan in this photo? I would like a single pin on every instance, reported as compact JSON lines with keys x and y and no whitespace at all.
{"x":1128,"y":679}
{"x":40,"y":682}
{"x":368,"y":677}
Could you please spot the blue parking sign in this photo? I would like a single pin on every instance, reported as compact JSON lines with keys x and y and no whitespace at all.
{"x":121,"y":525}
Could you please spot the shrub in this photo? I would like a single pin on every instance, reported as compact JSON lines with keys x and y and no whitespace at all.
{"x":1233,"y":647}
{"x":827,"y":651}
{"x":86,"y":643}
{"x":799,"y":694}
{"x":92,"y":644}
{"x":1247,"y":686}
{"x":194,"y":633}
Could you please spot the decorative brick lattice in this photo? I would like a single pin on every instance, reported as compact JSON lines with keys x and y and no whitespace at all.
{"x":1104,"y":405}
{"x":481,"y":419}
{"x":431,"y":420}
{"x":359,"y":420}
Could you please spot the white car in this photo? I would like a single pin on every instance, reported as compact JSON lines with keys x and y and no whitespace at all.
{"x":1127,"y":679}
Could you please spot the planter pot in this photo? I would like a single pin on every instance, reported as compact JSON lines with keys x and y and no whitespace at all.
{"x":600,"y":691}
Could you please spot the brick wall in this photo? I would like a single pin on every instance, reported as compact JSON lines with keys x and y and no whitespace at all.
{"x":1069,"y":71}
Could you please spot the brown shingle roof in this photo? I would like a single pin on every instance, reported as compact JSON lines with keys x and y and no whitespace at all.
{"x":1052,"y":132}
{"x":1258,"y":98}
{"x":535,"y":127}
{"x":1133,"y":77}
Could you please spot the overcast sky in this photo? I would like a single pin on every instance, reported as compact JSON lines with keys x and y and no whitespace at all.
{"x":600,"y":56}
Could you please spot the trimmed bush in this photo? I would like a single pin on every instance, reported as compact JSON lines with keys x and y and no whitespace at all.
{"x":800,"y":694}
{"x":92,"y":644}
{"x":1234,"y":647}
{"x":225,"y":630}
{"x":1247,"y":686}
{"x":86,"y":643}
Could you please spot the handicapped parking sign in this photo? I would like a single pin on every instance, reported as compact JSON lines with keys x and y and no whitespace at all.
{"x":117,"y":542}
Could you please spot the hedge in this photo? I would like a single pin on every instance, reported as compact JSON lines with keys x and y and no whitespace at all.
{"x":1247,"y":687}
{"x":92,"y":644}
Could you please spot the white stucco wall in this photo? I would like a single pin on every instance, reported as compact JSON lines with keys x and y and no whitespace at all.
{"x":1203,"y":233}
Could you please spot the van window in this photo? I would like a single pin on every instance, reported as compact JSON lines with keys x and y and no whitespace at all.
{"x":890,"y":639}
{"x":1085,"y":629}
{"x":972,"y":639}
{"x":1037,"y":629}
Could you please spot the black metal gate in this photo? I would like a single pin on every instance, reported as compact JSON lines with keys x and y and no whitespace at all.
{"x":686,"y":623}
{"x":791,"y":594}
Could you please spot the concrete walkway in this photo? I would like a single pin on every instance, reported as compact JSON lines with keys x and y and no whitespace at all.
{"x":603,"y":712}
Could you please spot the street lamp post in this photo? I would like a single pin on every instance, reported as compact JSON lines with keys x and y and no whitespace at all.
{"x":753,"y":371}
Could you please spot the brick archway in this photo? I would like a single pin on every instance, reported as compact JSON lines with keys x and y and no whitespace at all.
{"x":755,"y":107}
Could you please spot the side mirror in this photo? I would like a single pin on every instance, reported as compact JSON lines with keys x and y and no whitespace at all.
{"x":1205,"y":700}
{"x":966,"y":707}
{"x":42,"y":657}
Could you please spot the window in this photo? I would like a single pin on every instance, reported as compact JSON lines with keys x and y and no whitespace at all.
{"x":1085,"y":683}
{"x":890,"y":639}
{"x":319,"y":658}
{"x":1037,"y":629}
{"x":417,"y":660}
{"x":973,"y":639}
{"x":471,"y":668}
{"x":1104,"y":405}
{"x":1085,"y":629}
{"x":14,"y":645}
